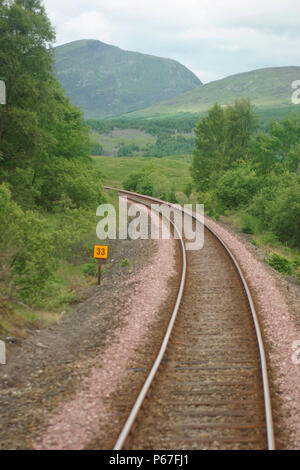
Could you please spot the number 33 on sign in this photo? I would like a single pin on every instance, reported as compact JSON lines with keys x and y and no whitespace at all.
{"x":100,"y":251}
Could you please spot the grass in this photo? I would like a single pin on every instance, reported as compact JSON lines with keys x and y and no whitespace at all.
{"x":65,"y":287}
{"x":125,"y":262}
{"x":283,"y":258}
{"x":116,"y":169}
{"x":111,"y":142}
{"x":266,"y":88}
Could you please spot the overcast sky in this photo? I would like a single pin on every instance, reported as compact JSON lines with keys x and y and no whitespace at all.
{"x":213,"y":38}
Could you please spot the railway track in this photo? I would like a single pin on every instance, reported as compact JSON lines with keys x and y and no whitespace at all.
{"x":208,"y":388}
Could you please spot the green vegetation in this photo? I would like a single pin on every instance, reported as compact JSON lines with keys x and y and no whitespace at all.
{"x":267,"y":89}
{"x":49,"y":187}
{"x":240,"y":171}
{"x":155,"y":138}
{"x":168,"y":172}
{"x":127,"y":150}
{"x":105,"y":80}
{"x":125,"y":262}
{"x":242,"y":167}
{"x":280,"y":263}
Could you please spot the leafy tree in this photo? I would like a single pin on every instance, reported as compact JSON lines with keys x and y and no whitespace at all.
{"x":96,"y":149}
{"x":38,"y":124}
{"x":209,"y":148}
{"x":264,"y":156}
{"x":26,"y":66}
{"x":132,"y":181}
{"x":287,"y":132}
{"x":127,"y":150}
{"x":188,"y":190}
{"x":236,"y":187}
{"x":145,"y":186}
{"x":44,"y":157}
{"x":223,"y":139}
{"x":241,"y":123}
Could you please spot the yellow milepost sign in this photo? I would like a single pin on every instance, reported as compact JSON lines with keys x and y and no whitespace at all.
{"x":101,"y":251}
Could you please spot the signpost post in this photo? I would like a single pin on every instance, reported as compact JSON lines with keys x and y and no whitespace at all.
{"x":100,"y":253}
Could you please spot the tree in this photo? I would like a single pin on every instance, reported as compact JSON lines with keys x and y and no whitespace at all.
{"x":38,"y":124}
{"x":26,"y":65}
{"x":241,"y":123}
{"x":222,"y":140}
{"x":209,"y":147}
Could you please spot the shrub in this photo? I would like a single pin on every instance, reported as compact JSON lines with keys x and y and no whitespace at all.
{"x":125,"y":262}
{"x":80,"y":182}
{"x":248,"y":224}
{"x":96,"y":149}
{"x":132,"y":181}
{"x":32,"y":245}
{"x":145,"y":186}
{"x":255,"y":242}
{"x":280,"y":263}
{"x":90,"y":269}
{"x":236,"y":187}
{"x":188,"y":190}
{"x":126,"y":150}
{"x":285,"y":213}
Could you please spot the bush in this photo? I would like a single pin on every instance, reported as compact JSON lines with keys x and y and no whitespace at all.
{"x":285,"y":213}
{"x":96,"y":149}
{"x":125,"y":262}
{"x":90,"y":269}
{"x":79,"y":181}
{"x":277,"y":206}
{"x":32,"y":245}
{"x":248,"y":224}
{"x":127,"y":150}
{"x":132,"y":181}
{"x":31,"y":241}
{"x":145,"y":186}
{"x":280,"y":263}
{"x":236,"y":188}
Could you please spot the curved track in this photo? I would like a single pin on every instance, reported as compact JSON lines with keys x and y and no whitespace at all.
{"x":211,"y":390}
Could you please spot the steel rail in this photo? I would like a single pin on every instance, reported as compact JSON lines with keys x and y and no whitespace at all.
{"x":145,"y":389}
{"x":264,"y":370}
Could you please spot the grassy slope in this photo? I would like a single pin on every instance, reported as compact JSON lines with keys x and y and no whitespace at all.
{"x":112,"y":141}
{"x":266,"y":88}
{"x":105,"y":80}
{"x":116,"y":169}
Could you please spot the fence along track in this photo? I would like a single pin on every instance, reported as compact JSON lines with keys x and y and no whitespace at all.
{"x":223,"y":396}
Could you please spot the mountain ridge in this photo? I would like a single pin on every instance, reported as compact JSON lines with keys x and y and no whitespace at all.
{"x":105,"y":80}
{"x":267,"y":87}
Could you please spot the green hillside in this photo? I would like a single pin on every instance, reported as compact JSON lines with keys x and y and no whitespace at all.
{"x":266,"y":88}
{"x":105,"y":80}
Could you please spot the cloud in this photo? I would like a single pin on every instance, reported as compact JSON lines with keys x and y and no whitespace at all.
{"x":89,"y":25}
{"x":213,"y":36}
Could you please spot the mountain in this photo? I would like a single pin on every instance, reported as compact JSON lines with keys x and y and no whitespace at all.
{"x":266,"y":88}
{"x":106,"y":81}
